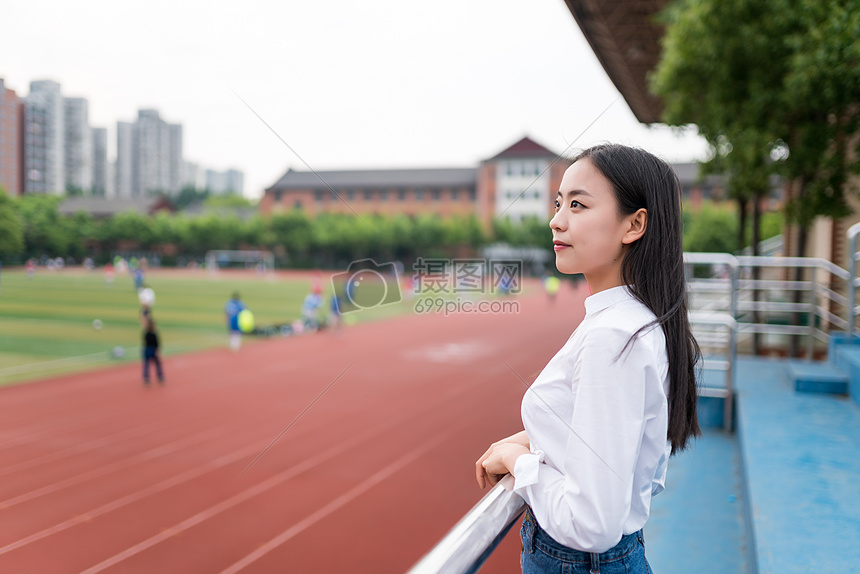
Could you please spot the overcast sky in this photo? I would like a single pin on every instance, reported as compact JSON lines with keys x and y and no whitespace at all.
{"x":347,"y":84}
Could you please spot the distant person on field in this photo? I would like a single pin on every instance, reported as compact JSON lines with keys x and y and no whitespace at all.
{"x":31,"y":268}
{"x":310,"y":307}
{"x":151,"y":353}
{"x":551,"y":284}
{"x":334,"y":315}
{"x":231,"y":311}
{"x":138,"y":278}
{"x":109,"y":273}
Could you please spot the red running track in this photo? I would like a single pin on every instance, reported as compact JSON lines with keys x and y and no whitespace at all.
{"x":99,"y":474}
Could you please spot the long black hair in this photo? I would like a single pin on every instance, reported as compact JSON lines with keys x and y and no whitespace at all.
{"x":653,"y":268}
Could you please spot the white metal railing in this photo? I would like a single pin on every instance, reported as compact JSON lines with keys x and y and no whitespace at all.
{"x":466,"y":546}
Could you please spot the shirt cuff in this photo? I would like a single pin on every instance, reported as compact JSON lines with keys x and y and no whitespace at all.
{"x":526,"y":469}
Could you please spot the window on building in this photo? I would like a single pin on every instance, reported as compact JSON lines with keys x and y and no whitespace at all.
{"x":401,"y":194}
{"x":383,"y":195}
{"x":472,"y":195}
{"x":454,"y":195}
{"x":510,"y":169}
{"x":367,"y":195}
{"x":350,"y":195}
{"x":419,"y":194}
{"x":437,"y":195}
{"x":318,"y":195}
{"x":298,"y":204}
{"x":277,"y":197}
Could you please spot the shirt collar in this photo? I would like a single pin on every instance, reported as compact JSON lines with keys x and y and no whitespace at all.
{"x":606,"y":298}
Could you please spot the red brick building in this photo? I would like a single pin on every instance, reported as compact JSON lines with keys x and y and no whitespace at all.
{"x":444,"y":192}
{"x":519,"y":181}
{"x":11,"y":141}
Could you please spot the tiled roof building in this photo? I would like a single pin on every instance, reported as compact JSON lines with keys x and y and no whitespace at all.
{"x":515,"y":182}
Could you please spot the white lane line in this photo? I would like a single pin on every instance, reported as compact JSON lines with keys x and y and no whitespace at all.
{"x":269,"y":483}
{"x":100,"y":357}
{"x":135,"y":496}
{"x":166,"y":484}
{"x":237,"y":499}
{"x":337,"y":503}
{"x":119,"y":465}
{"x":82,"y":447}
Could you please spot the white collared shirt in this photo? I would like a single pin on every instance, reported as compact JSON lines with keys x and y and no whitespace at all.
{"x":596,"y":419}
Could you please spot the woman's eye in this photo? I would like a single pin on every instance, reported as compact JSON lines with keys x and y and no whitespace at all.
{"x":574,"y":204}
{"x":556,"y":205}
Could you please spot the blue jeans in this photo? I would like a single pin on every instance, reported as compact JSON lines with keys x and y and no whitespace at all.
{"x":543,"y":555}
{"x":151,"y":354}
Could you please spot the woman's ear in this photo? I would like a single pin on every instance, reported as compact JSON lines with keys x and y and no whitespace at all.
{"x":638,"y":222}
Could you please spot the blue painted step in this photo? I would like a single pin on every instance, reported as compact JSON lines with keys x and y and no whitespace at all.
{"x":800,"y":458}
{"x":847,"y":358}
{"x":818,"y":377}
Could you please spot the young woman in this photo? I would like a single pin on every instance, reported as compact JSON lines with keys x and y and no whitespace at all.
{"x":619,"y":398}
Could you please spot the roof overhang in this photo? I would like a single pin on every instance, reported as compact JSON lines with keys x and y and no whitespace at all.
{"x":625,"y":37}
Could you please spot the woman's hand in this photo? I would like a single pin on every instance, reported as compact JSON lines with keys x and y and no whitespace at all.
{"x":500,"y":459}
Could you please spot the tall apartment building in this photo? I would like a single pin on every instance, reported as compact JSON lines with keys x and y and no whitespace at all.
{"x":11,"y":141}
{"x":149,"y":156}
{"x":78,"y":146}
{"x":124,"y":166}
{"x":101,"y":167}
{"x":193,"y":176}
{"x":44,"y":134}
{"x":174,"y":178}
{"x":225,"y":182}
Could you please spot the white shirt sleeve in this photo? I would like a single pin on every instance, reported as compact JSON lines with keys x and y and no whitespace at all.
{"x":588,"y":498}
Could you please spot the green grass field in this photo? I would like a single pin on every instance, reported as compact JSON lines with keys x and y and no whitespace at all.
{"x":46,"y":322}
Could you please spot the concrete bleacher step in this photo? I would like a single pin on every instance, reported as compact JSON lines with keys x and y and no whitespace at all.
{"x":847,"y":358}
{"x":711,"y":408}
{"x":817,"y":377}
{"x":800,"y":459}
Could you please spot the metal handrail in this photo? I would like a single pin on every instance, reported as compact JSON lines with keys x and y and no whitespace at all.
{"x":466,"y":546}
{"x":727,"y":364}
{"x":818,"y":291}
{"x":853,"y":232}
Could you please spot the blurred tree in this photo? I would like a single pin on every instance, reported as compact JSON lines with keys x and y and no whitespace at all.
{"x":11,"y":228}
{"x":80,"y":228}
{"x":228,"y":200}
{"x":189,"y":195}
{"x":774,"y":87}
{"x":44,"y":233}
{"x":291,"y":233}
{"x":711,"y":229}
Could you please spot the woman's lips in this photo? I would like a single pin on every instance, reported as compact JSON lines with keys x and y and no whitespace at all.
{"x":558,"y":245}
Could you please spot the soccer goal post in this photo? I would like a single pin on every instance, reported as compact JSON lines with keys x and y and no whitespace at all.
{"x":246,"y":259}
